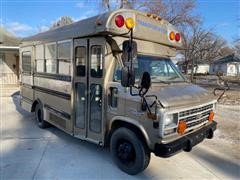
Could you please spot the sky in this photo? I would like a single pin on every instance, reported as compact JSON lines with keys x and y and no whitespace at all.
{"x":27,"y":17}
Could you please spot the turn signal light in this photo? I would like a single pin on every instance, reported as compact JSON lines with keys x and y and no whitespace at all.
{"x":211,"y":116}
{"x":119,"y":21}
{"x":129,"y":23}
{"x":182,"y":126}
{"x":172,"y":36}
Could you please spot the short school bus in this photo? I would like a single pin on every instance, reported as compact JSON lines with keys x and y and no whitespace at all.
{"x":109,"y":80}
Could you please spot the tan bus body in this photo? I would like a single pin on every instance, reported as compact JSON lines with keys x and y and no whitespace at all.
{"x":70,"y":78}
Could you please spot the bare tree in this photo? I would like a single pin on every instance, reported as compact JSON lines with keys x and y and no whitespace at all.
{"x":201,"y":46}
{"x":178,"y":13}
{"x":106,"y":4}
{"x":226,"y":51}
{"x":237,"y":46}
{"x":64,"y":20}
{"x":127,"y":4}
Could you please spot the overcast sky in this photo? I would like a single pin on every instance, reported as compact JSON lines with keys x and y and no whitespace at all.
{"x":27,"y":17}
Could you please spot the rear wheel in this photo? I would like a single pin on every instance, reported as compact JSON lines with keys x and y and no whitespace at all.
{"x":129,"y":153}
{"x":39,"y":117}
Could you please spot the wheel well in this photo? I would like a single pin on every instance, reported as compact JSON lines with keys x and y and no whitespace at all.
{"x":117,"y":124}
{"x":34,"y":105}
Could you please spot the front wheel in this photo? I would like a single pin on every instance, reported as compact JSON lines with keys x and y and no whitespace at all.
{"x":129,"y":153}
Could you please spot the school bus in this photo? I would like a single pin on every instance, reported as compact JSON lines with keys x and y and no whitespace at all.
{"x":109,"y":80}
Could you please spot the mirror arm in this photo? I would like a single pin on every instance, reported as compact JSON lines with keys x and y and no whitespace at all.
{"x":131,"y":91}
{"x":148,"y":108}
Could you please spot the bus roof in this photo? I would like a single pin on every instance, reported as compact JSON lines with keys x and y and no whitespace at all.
{"x":147,"y":27}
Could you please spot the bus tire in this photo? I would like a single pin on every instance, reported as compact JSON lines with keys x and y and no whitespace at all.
{"x":39,"y":117}
{"x":128,"y":152}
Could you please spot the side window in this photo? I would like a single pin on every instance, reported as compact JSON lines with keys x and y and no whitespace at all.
{"x":50,"y":56}
{"x":40,"y":62}
{"x":64,"y":57}
{"x":80,"y":105}
{"x":117,"y":73}
{"x":95,"y":107}
{"x":26,"y":61}
{"x":96,"y":61}
{"x":80,"y":60}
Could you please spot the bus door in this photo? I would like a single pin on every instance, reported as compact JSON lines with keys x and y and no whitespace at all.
{"x":88,"y":92}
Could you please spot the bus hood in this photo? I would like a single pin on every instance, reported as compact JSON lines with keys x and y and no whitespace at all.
{"x":183,"y":94}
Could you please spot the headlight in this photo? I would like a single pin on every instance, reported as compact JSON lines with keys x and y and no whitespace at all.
{"x":170,"y":120}
{"x":170,"y":123}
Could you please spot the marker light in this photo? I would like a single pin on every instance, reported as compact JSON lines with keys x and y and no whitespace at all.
{"x":211,"y":116}
{"x":154,"y":16}
{"x":129,"y":22}
{"x":172,"y":35}
{"x":148,"y":14}
{"x":182,"y":126}
{"x":119,"y":21}
{"x":177,"y":36}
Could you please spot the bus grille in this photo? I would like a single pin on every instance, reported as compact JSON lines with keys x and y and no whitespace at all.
{"x":196,"y":116}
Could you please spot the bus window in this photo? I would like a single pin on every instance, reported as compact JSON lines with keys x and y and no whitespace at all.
{"x":80,"y":60}
{"x":95,"y":107}
{"x":40,"y":58}
{"x":117,"y":73}
{"x":96,"y":61}
{"x":50,"y":55}
{"x":26,"y":61}
{"x":64,"y":57}
{"x":80,"y":105}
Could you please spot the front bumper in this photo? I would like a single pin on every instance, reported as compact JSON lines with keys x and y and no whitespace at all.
{"x":185,"y":143}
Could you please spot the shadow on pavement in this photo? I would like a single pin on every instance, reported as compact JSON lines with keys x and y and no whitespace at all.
{"x":61,"y":147}
{"x":219,"y":162}
{"x":16,"y":100}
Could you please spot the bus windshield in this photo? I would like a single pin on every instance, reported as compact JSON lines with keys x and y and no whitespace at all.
{"x":162,"y":70}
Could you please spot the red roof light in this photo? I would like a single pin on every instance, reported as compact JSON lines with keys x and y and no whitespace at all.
{"x":119,"y":21}
{"x":177,"y":36}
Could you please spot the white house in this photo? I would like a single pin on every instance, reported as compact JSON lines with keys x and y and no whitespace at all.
{"x":228,"y":66}
{"x":201,"y":68}
{"x":9,"y":58}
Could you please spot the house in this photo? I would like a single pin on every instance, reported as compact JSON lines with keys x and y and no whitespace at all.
{"x":201,"y":68}
{"x":9,"y":58}
{"x":228,"y":65}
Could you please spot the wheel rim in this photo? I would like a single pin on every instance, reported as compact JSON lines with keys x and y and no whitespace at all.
{"x":39,"y":115}
{"x":126,"y":152}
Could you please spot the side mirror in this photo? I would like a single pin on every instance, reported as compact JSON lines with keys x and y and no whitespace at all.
{"x":128,"y":77}
{"x":145,"y":81}
{"x":128,"y":49}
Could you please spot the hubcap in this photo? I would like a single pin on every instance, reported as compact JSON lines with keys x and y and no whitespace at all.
{"x":126,"y":152}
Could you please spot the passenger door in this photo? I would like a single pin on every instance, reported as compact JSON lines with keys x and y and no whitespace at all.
{"x":88,"y":84}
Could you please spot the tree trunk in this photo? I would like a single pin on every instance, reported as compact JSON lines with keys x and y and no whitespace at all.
{"x":192,"y":71}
